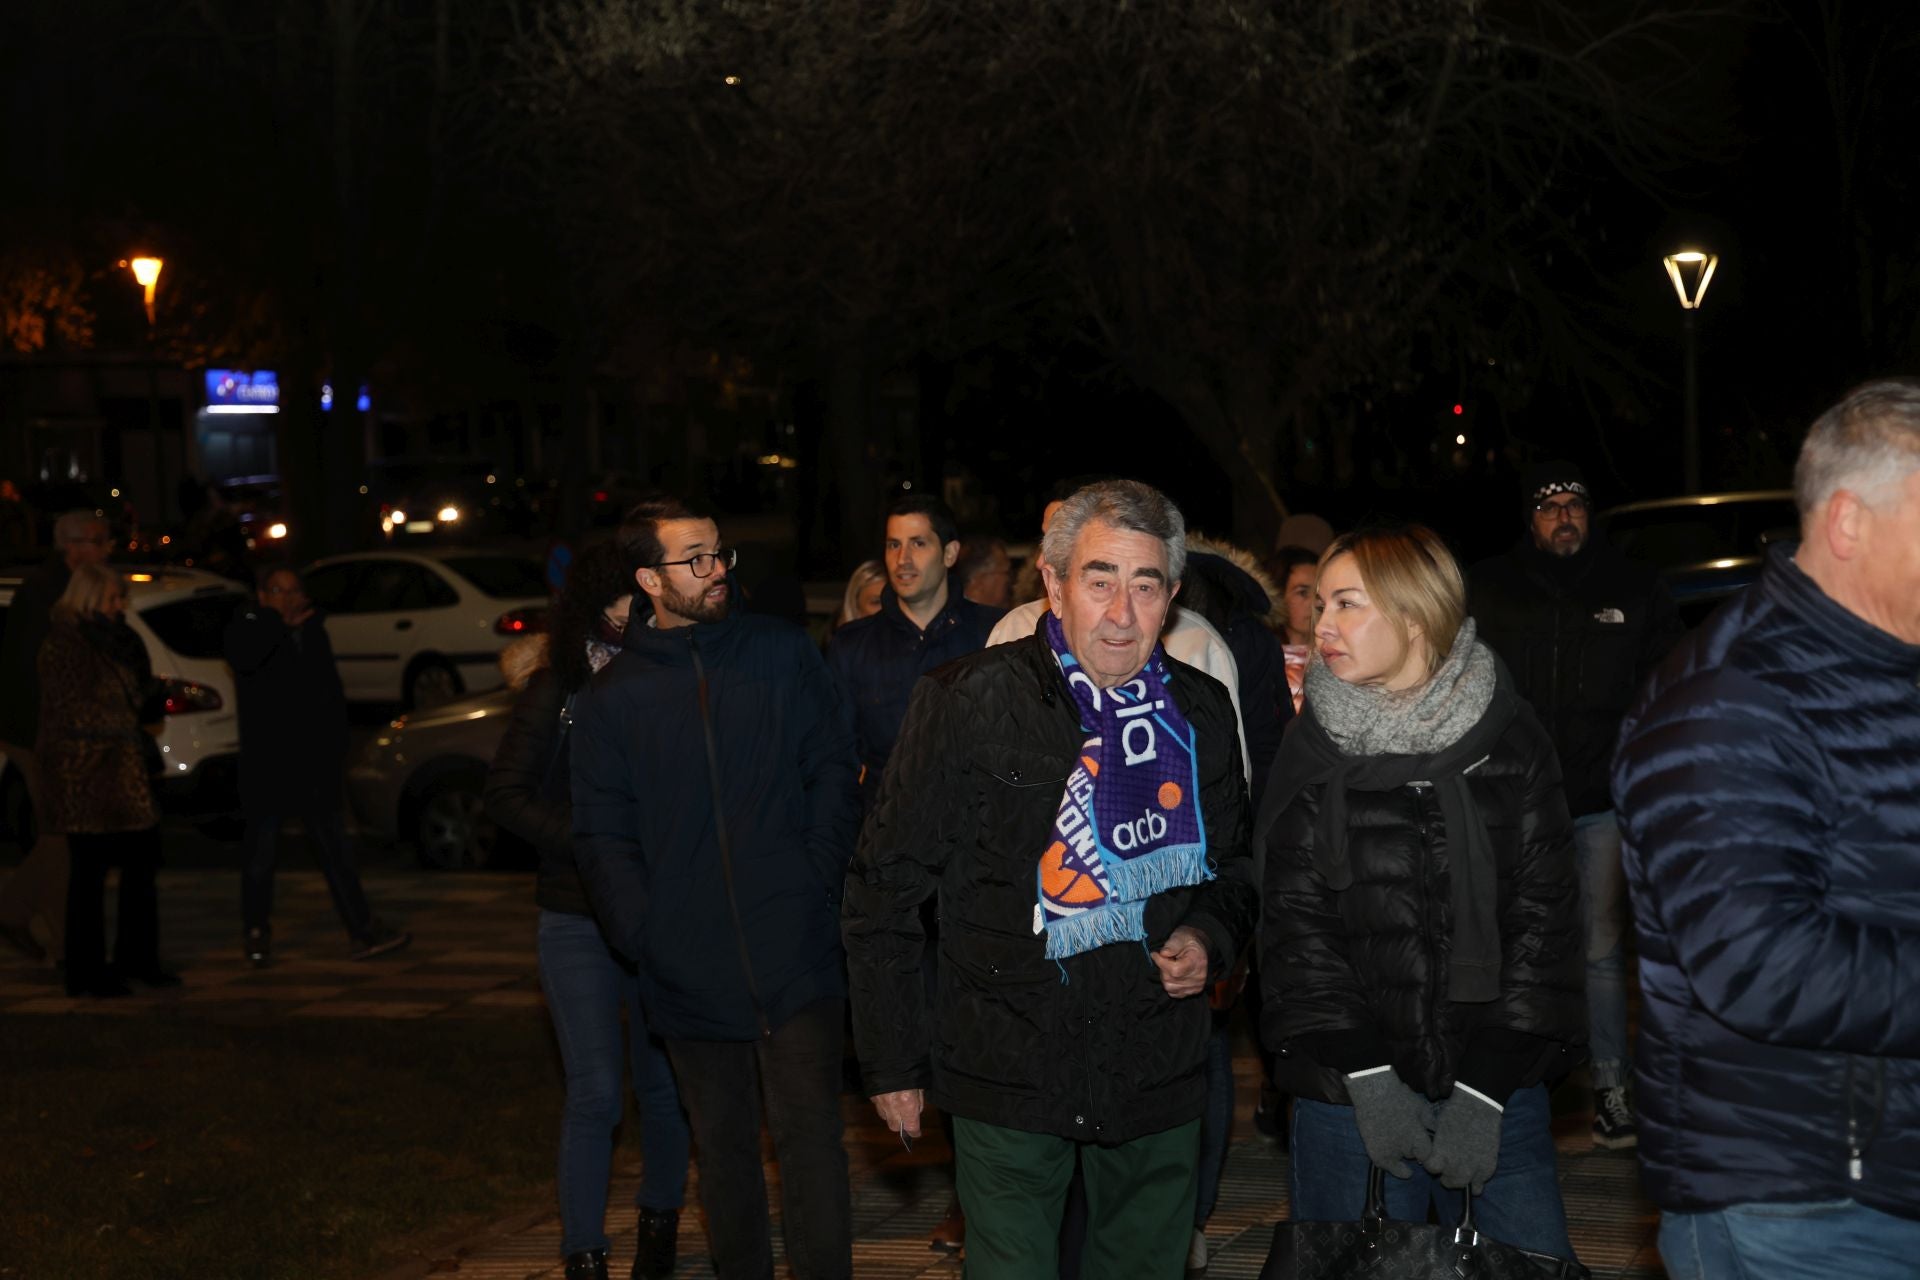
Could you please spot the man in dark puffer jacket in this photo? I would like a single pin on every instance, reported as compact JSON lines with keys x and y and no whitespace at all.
{"x":1769,"y":784}
{"x":1099,"y":1054}
{"x":713,"y":814}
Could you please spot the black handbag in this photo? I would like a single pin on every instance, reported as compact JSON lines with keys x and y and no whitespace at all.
{"x":1380,"y":1248}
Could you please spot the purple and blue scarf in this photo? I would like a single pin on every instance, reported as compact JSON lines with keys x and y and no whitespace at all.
{"x":1129,"y":823}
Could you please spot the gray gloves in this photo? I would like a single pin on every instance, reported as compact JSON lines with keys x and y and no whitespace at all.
{"x":1466,"y":1140}
{"x":1396,"y":1124}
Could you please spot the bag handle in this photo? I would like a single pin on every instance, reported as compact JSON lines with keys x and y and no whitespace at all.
{"x":1376,"y":1210}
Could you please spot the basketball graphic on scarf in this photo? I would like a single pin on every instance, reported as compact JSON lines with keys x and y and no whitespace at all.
{"x":1064,"y":883}
{"x":1169,"y":795}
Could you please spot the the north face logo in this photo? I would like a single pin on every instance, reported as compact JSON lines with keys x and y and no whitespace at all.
{"x":1610,"y":615}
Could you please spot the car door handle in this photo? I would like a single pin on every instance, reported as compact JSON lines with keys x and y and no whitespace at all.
{"x":405,"y":624}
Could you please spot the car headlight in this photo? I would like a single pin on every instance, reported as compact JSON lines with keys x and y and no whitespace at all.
{"x":449,"y":514}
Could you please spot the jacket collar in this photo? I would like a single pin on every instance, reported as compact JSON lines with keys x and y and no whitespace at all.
{"x":670,"y":645}
{"x":948,"y":616}
{"x":1785,"y":583}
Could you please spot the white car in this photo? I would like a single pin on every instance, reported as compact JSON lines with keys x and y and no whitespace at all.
{"x":422,"y":628}
{"x":182,"y":615}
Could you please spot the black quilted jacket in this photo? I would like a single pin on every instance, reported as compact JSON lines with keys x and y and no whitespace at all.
{"x":1358,"y":978}
{"x":1092,"y":1048}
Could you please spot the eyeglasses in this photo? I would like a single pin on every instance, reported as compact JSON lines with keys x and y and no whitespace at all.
{"x":1573,"y":508}
{"x":701,"y":566}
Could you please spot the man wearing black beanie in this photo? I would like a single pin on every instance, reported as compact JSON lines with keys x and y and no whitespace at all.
{"x":1580,"y":626}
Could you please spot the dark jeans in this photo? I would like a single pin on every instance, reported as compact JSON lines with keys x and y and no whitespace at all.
{"x":586,"y":987}
{"x":136,"y":946}
{"x":797,"y":1069}
{"x":1216,"y":1125}
{"x":328,"y":833}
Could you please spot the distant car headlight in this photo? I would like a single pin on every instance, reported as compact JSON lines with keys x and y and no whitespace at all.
{"x":396,"y":517}
{"x":449,"y":514}
{"x":277,"y":530}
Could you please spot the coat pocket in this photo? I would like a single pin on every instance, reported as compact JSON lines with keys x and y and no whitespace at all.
{"x":996,"y":1008}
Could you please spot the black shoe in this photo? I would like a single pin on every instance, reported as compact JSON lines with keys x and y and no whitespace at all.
{"x":21,"y":939}
{"x":259,"y":948}
{"x":1270,"y":1118}
{"x":381,"y":941}
{"x":1613,"y":1126}
{"x":655,"y":1243}
{"x":588,"y":1264}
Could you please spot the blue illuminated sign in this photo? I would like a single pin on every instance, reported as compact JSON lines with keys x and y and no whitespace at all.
{"x":234,"y":387}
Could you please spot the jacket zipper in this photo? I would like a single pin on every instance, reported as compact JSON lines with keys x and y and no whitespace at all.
{"x":726,"y":850}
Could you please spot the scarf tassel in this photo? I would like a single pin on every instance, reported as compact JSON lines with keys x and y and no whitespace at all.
{"x":1173,"y":867}
{"x":1116,"y":922}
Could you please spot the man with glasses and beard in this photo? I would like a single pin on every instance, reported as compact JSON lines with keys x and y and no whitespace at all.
{"x":714,"y":813}
{"x":1580,"y":626}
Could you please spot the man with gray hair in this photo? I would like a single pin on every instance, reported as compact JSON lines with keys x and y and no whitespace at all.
{"x":1769,"y":786}
{"x":39,"y":886}
{"x":1077,"y":802}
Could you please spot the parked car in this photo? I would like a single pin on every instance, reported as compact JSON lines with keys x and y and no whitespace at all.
{"x":422,"y":628}
{"x":419,"y":782}
{"x":1706,"y":546}
{"x":181,"y":615}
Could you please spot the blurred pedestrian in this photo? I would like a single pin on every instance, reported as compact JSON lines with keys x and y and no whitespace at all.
{"x":1580,"y":627}
{"x":99,"y":708}
{"x":1091,"y":867}
{"x":984,"y":572}
{"x":862,"y":599}
{"x":293,"y":753}
{"x":923,"y":623}
{"x":1295,"y":569}
{"x":714,"y":807}
{"x":1768,"y":780}
{"x":587,"y":984}
{"x":16,"y":523}
{"x":1420,"y":941}
{"x":38,"y":888}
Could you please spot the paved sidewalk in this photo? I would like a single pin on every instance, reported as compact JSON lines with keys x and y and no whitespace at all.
{"x":473,"y":956}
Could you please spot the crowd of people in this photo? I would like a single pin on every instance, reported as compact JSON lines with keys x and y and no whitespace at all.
{"x":1030,"y":836}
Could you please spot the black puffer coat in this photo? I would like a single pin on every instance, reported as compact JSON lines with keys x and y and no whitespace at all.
{"x":1358,"y":978}
{"x":1092,"y":1048}
{"x":529,"y":784}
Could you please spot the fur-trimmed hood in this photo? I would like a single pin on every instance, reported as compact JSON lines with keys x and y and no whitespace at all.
{"x":1274,"y":613}
{"x":522,"y":660}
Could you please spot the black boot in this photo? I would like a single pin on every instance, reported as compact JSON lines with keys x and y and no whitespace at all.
{"x":655,"y":1244}
{"x":588,"y":1264}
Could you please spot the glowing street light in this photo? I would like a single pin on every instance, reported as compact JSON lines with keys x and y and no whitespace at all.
{"x":147,"y":272}
{"x":1691,"y":271}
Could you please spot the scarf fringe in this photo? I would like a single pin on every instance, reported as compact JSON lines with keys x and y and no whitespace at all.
{"x":1173,"y":867}
{"x":1115,"y":922}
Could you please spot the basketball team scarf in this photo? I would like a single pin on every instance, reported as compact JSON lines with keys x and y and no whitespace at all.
{"x":1128,"y":826}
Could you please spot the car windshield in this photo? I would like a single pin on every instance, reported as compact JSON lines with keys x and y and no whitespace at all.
{"x":192,"y":628}
{"x":501,"y":577}
{"x":1697,"y":533}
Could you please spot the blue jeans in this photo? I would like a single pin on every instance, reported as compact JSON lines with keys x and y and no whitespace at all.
{"x":587,"y":986}
{"x":1216,"y":1123}
{"x":1603,"y":902}
{"x":1823,"y":1240}
{"x":1520,"y":1205}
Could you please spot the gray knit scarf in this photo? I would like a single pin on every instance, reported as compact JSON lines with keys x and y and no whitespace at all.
{"x":1367,"y":720}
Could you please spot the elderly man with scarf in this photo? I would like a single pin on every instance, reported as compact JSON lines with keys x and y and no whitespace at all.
{"x":1077,"y":802}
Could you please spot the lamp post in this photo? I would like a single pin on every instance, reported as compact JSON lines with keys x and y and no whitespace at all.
{"x":146,"y":271}
{"x":1691,"y":272}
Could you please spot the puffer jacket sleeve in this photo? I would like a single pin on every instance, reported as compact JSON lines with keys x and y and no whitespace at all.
{"x":607,"y":818}
{"x":914,"y":828}
{"x":520,"y":792}
{"x":1312,"y":993}
{"x":1225,"y":907}
{"x":1729,"y":820}
{"x":829,"y":769}
{"x":1542,"y":1001}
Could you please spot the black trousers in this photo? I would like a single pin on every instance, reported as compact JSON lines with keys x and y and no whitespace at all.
{"x":797,"y":1070}
{"x":136,"y":946}
{"x":327,"y":830}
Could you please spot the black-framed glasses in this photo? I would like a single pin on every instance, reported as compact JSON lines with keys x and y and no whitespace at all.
{"x":1574,"y":507}
{"x":701,"y":566}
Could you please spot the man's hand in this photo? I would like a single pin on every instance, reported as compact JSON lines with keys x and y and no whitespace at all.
{"x":901,"y":1110}
{"x":1182,"y":959}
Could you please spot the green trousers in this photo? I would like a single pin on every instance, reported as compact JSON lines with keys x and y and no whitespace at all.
{"x":1013,"y":1186}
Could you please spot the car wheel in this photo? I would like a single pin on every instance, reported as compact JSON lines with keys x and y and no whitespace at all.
{"x":432,"y":683}
{"x":451,"y":830}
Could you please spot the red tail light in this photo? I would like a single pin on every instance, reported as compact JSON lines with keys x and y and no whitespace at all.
{"x":521,"y":622}
{"x":184,"y":697}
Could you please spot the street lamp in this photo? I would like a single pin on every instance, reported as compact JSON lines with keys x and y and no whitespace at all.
{"x":147,"y":272}
{"x":1691,"y":272}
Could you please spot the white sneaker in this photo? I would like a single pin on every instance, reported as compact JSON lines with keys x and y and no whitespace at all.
{"x":1197,"y":1251}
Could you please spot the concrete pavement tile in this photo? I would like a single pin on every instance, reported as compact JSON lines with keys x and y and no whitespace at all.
{"x":368,"y":1009}
{"x":428,"y":981}
{"x":49,"y":1004}
{"x":495,"y":959}
{"x":508,"y":999}
{"x":277,"y":993}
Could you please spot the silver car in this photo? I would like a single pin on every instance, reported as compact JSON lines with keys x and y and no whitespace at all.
{"x":419,"y":783}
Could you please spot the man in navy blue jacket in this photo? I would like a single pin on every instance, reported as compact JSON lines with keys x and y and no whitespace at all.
{"x":1769,"y":787}
{"x":922,"y":624}
{"x":713,"y":819}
